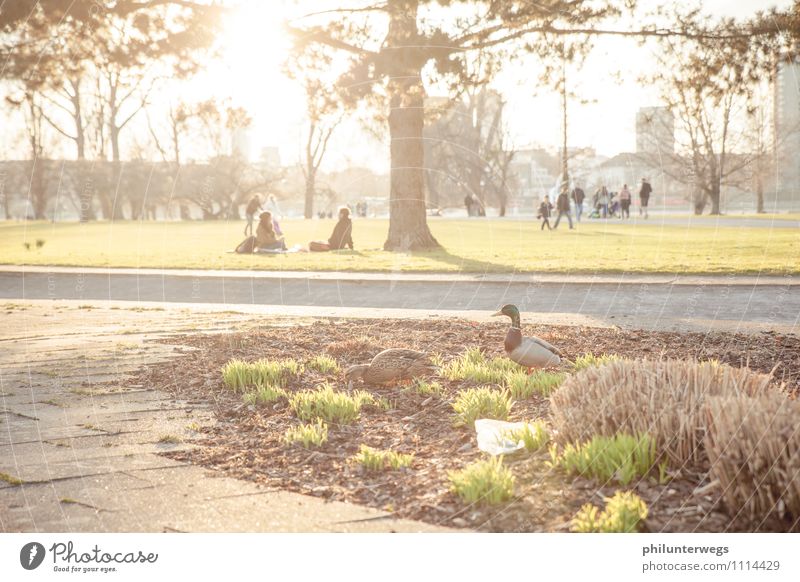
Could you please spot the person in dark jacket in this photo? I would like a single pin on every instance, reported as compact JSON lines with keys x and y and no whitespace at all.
{"x":341,"y":238}
{"x":544,"y":212}
{"x":578,"y":196}
{"x":644,"y":196}
{"x":468,"y":205}
{"x":562,"y":206}
{"x":252,"y":207}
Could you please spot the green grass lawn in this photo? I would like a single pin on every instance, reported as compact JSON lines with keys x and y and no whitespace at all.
{"x":474,"y":246}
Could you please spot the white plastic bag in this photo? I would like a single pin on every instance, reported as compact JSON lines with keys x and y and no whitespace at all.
{"x":493,"y":436}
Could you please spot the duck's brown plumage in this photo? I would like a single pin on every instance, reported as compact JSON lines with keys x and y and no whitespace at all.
{"x":393,"y":365}
{"x":513,"y":339}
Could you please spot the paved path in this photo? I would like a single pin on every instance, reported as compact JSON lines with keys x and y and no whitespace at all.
{"x":650,"y":302}
{"x":87,"y":452}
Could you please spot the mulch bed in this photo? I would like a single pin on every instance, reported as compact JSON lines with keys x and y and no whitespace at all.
{"x":246,"y":442}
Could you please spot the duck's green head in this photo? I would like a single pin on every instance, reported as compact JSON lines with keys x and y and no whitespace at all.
{"x":509,"y":311}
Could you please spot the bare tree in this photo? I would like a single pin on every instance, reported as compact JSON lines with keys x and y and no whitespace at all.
{"x":323,"y":117}
{"x":466,"y":148}
{"x":29,"y":102}
{"x":222,"y":184}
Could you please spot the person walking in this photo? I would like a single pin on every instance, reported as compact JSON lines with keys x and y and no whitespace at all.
{"x":603,"y":200}
{"x":562,"y":206}
{"x":578,"y":196}
{"x":544,"y":212}
{"x":250,"y":211}
{"x":468,"y":204}
{"x":644,"y":196}
{"x":272,"y":206}
{"x":625,"y":198}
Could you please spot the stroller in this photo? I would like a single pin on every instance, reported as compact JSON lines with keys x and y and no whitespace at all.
{"x":613,"y":207}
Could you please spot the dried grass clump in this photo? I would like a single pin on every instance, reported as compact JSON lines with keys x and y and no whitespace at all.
{"x":753,"y":445}
{"x":663,"y":398}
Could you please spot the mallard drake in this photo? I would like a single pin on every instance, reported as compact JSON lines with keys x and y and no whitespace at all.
{"x":390,"y":365}
{"x":531,"y":352}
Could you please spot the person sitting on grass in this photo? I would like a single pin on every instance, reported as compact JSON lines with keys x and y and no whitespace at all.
{"x":341,"y":238}
{"x":266,"y":237}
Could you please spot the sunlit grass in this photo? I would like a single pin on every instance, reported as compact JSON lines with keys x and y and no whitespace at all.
{"x":534,"y":435}
{"x":487,"y":481}
{"x":623,"y":513}
{"x":377,"y":460}
{"x":323,"y":364}
{"x":622,"y":457}
{"x":330,"y":405}
{"x":308,"y":435}
{"x":265,"y":394}
{"x":483,"y":402}
{"x":473,"y":366}
{"x":479,"y":246}
{"x":542,"y":382}
{"x":239,"y":375}
{"x":426,"y":388}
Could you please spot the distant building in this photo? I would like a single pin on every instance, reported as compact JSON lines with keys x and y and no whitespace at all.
{"x":655,"y":131}
{"x":786,"y":131}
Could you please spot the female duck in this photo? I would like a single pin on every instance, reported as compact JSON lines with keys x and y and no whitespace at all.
{"x":391,"y":365}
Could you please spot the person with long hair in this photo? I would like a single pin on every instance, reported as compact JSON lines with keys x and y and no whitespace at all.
{"x":266,"y":237}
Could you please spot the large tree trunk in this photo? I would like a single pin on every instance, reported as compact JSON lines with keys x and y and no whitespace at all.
{"x":715,"y":196}
{"x":759,"y":195}
{"x":408,"y":226}
{"x":38,"y":191}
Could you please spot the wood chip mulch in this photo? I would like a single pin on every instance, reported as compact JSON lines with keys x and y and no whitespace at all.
{"x":246,"y":442}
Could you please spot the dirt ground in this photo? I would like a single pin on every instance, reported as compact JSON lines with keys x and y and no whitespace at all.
{"x":246,"y":441}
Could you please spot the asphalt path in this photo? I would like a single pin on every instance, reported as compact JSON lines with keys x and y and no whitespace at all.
{"x":646,"y":301}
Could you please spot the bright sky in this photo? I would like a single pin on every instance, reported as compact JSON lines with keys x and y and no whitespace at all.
{"x":251,"y":76}
{"x":609,"y":78}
